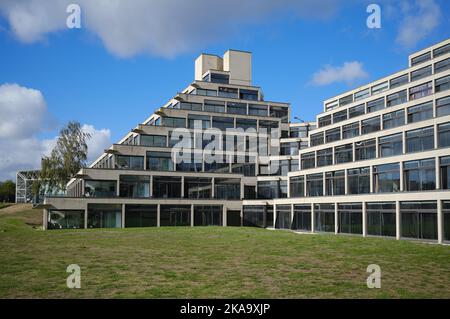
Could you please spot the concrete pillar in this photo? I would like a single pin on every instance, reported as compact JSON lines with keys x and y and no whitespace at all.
{"x":402,"y":187}
{"x":312,"y":218}
{"x":85,"y":217}
{"x":150,"y":191}
{"x":118,"y":187}
{"x":292,"y":214}
{"x":437,"y":170}
{"x":213,"y":182}
{"x":44,"y":219}
{"x":182,"y":186}
{"x":440,"y":222}
{"x":224,"y":216}
{"x":371,"y":179}
{"x":192,"y":215}
{"x":397,"y":220}
{"x":123,"y":215}
{"x":436,"y":136}
{"x":404,"y":142}
{"x":158,"y":215}
{"x":336,"y":218}
{"x":364,"y":219}
{"x":346,"y":182}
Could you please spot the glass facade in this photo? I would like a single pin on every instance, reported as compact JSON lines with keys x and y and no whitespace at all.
{"x":390,"y":145}
{"x":335,"y":183}
{"x":419,"y":220}
{"x":134,"y":186}
{"x":324,"y":217}
{"x":175,"y":215}
{"x":65,"y":219}
{"x":419,"y":175}
{"x":359,"y":180}
{"x":314,"y":185}
{"x":302,"y":217}
{"x":386,"y":178}
{"x":420,"y":140}
{"x":350,"y":218}
{"x":283,"y":217}
{"x":208,"y":215}
{"x":104,"y":216}
{"x":98,"y":188}
{"x":141,"y":215}
{"x":381,"y":219}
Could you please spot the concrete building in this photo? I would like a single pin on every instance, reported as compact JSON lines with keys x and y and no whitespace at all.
{"x":376,"y":164}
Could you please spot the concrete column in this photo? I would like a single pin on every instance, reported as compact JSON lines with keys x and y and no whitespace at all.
{"x":158,"y":215}
{"x":324,"y":184}
{"x":123,"y":215}
{"x":292,"y":214}
{"x":242,"y":188}
{"x":377,"y":148}
{"x":213,"y":182}
{"x":346,"y":182}
{"x":224,"y":216}
{"x":44,"y":219}
{"x":182,"y":186}
{"x":404,"y":142}
{"x":437,"y":171}
{"x":372,"y":189}
{"x":150,"y":191}
{"x":86,"y":217}
{"x":274,"y":215}
{"x":118,"y":188}
{"x":192,"y":215}
{"x":312,"y":218}
{"x":397,"y":220}
{"x":440,"y":222}
{"x":364,"y":219}
{"x":402,"y":187}
{"x":336,"y":218}
{"x":436,"y":137}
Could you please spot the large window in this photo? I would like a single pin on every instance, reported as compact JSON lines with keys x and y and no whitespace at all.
{"x":365,"y":150}
{"x":443,"y":84}
{"x":222,"y":123}
{"x":324,"y":217}
{"x":208,"y":215}
{"x":420,"y":91}
{"x":325,"y":120}
{"x":421,"y":73}
{"x":227,"y":188}
{"x":419,"y":175}
{"x":443,"y":106}
{"x":166,"y":187}
{"x":375,"y":105}
{"x":200,"y":121}
{"x":340,"y":116}
{"x":247,"y":168}
{"x":173,"y":121}
{"x":386,"y":178}
{"x":335,"y":183}
{"x":421,"y":58}
{"x":420,"y":112}
{"x":258,"y":110}
{"x":248,"y":95}
{"x":214,"y":106}
{"x":153,"y":140}
{"x":236,"y":108}
{"x":190,"y":164}
{"x":393,"y":119}
{"x":419,"y":220}
{"x":258,"y":216}
{"x":297,"y":186}
{"x":228,"y":92}
{"x":370,"y":125}
{"x":314,"y":185}
{"x":381,"y":219}
{"x":159,"y":161}
{"x":325,"y":157}
{"x":441,"y":50}
{"x":343,"y":154}
{"x":279,"y":112}
{"x":350,"y":218}
{"x":379,"y":88}
{"x":346,"y":100}
{"x":302,"y":217}
{"x":362,"y":94}
{"x":197,"y":187}
{"x":129,"y":162}
{"x":397,"y":98}
{"x":99,"y":188}
{"x":390,"y":145}
{"x":272,"y":189}
{"x":65,"y":219}
{"x":134,"y":186}
{"x":308,"y":160}
{"x":444,"y":134}
{"x":442,"y":66}
{"x":359,"y":180}
{"x":219,"y":78}
{"x":399,"y":81}
{"x":283,"y":217}
{"x":445,"y":172}
{"x":104,"y":216}
{"x":333,"y":135}
{"x":420,"y":140}
{"x":140,"y":215}
{"x":175,"y":215}
{"x":188,"y":106}
{"x":446,"y":220}
{"x":317,"y":139}
{"x":356,"y":111}
{"x":350,"y":130}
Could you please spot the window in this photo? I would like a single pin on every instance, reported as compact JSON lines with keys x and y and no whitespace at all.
{"x":396,"y":98}
{"x":420,"y":91}
{"x":399,"y":81}
{"x":442,"y":84}
{"x":325,"y":157}
{"x":290,"y":148}
{"x":317,"y":139}
{"x":219,"y":78}
{"x":257,"y":216}
{"x":65,"y":219}
{"x":201,"y":121}
{"x":370,"y":125}
{"x":444,"y":134}
{"x":340,"y":116}
{"x":308,"y":160}
{"x":298,"y":131}
{"x":247,"y":168}
{"x":335,"y":183}
{"x":129,"y":162}
{"x":204,"y":92}
{"x":297,"y":186}
{"x":420,"y":140}
{"x":441,"y":51}
{"x":442,"y":66}
{"x":104,"y":216}
{"x":166,"y":187}
{"x":283,"y":220}
{"x":386,"y":178}
{"x":331,"y":105}
{"x":343,"y":154}
{"x":214,"y":106}
{"x":248,"y":95}
{"x":421,"y":73}
{"x":159,"y":161}
{"x":302,"y":218}
{"x":365,"y":150}
{"x":445,"y":172}
{"x":443,"y":106}
{"x":350,"y":130}
{"x":257,"y":110}
{"x":333,"y":135}
{"x":420,"y":112}
{"x":379,"y":88}
{"x":153,"y":140}
{"x":350,"y":218}
{"x":222,"y":123}
{"x":208,"y":215}
{"x":325,"y":120}
{"x":228,"y":92}
{"x":314,"y":185}
{"x":236,"y":108}
{"x":190,"y":162}
{"x":272,"y":189}
{"x":294,"y":166}
{"x":324,"y":217}
{"x":393,"y":119}
{"x":174,"y":121}
{"x":140,"y":215}
{"x":99,"y":188}
{"x":188,"y":106}
{"x":246,"y":124}
{"x":376,"y":105}
{"x":362,"y":94}
{"x":359,"y":180}
{"x":446,"y":221}
{"x":418,"y":220}
{"x":356,"y":111}
{"x":227,"y":188}
{"x":279,"y":112}
{"x":381,"y":219}
{"x":390,"y":145}
{"x":175,"y":215}
{"x":419,"y":175}
{"x":134,"y":186}
{"x":346,"y":100}
{"x":217,"y":165}
{"x":269,"y":126}
{"x":421,"y":59}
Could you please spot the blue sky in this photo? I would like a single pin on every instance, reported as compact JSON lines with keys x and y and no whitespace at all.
{"x":95,"y":78}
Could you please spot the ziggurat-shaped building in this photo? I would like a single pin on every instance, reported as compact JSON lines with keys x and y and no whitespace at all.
{"x":375,"y":163}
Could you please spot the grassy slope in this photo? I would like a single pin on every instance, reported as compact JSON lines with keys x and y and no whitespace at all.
{"x":211,"y":262}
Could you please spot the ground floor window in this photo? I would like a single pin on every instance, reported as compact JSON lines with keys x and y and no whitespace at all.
{"x":175,"y":215}
{"x":104,"y":216}
{"x":419,"y":220}
{"x":283,"y":220}
{"x":381,"y":219}
{"x":140,"y":215}
{"x":208,"y":215}
{"x":233,"y":218}
{"x":258,"y":216}
{"x":65,"y":219}
{"x":350,"y":218}
{"x":324,"y":217}
{"x":302,"y":217}
{"x":446,"y":219}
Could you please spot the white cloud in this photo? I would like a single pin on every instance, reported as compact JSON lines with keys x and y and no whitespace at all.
{"x":420,"y":19}
{"x":159,"y":27}
{"x":24,"y":116}
{"x":349,"y":73}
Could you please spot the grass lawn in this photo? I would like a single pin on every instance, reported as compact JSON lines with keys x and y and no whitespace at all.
{"x":211,"y":262}
{"x":4,"y":205}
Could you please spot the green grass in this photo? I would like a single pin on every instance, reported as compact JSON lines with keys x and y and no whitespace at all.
{"x":4,"y":205}
{"x":212,"y":262}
